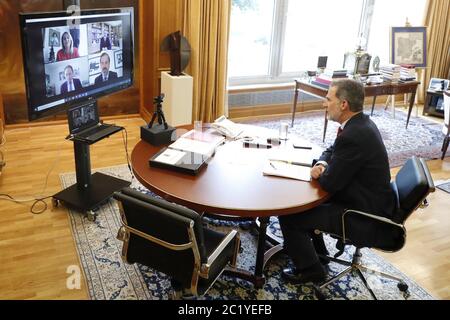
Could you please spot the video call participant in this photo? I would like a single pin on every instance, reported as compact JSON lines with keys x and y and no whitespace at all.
{"x":68,"y":51}
{"x":71,"y":84}
{"x":355,"y":171}
{"x":106,"y":75}
{"x":105,"y":43}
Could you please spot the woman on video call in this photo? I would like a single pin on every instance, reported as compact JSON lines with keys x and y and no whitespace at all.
{"x":68,"y":51}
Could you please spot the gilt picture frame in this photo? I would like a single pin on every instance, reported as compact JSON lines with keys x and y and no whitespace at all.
{"x":408,"y":46}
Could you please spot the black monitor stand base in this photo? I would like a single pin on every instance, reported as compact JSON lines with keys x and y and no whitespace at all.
{"x":90,"y":191}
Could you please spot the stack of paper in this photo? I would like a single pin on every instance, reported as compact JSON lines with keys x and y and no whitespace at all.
{"x":201,"y":142}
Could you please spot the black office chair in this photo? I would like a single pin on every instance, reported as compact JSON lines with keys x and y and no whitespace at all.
{"x":172,"y":239}
{"x":411,"y":186}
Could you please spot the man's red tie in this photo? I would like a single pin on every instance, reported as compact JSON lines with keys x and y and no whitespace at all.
{"x":339,"y":132}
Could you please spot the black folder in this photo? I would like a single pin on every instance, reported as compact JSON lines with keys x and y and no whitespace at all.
{"x":191,"y":163}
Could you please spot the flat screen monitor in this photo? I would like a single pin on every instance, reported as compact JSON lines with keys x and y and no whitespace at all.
{"x":72,"y":58}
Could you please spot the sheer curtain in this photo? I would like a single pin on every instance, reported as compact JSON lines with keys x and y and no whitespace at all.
{"x":206,"y":25}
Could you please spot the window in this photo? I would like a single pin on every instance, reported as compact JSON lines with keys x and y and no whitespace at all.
{"x":277,"y":40}
{"x":250,"y":43}
{"x":319,"y":28}
{"x":386,"y":15}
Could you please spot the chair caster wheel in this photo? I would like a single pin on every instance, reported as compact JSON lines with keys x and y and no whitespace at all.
{"x":403,"y":287}
{"x":91,"y":215}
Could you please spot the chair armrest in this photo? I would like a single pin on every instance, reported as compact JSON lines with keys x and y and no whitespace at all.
{"x":370,"y":216}
{"x":213,"y":256}
{"x":126,"y":228}
{"x":428,"y":175}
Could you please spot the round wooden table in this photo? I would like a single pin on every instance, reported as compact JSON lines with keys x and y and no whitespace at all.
{"x":232,"y":184}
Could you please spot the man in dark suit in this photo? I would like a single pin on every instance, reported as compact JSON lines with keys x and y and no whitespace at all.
{"x":105,"y":43}
{"x":106,"y":75}
{"x":71,"y":84}
{"x":355,"y":171}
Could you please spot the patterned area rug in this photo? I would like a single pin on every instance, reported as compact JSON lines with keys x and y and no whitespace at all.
{"x":109,"y":278}
{"x":423,"y":138}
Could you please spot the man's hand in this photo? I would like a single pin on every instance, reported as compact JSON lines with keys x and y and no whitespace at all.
{"x":317,"y":171}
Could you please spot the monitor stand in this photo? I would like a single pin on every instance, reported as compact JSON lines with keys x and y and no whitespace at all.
{"x":91,"y":190}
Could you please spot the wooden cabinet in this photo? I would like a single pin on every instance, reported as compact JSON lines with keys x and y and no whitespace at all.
{"x":434,"y":104}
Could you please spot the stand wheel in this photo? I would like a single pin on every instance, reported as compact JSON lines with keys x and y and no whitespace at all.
{"x":91,"y":215}
{"x":403,"y":287}
{"x":55,"y":203}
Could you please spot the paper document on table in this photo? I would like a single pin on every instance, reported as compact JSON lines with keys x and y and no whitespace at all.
{"x":170,"y":156}
{"x":193,"y":146}
{"x":286,"y":170}
{"x":299,"y":157}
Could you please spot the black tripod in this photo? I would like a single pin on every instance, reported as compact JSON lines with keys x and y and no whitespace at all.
{"x":158,"y":112}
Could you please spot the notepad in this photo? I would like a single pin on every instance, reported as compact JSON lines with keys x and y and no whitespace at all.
{"x":286,"y":170}
{"x":181,"y":161}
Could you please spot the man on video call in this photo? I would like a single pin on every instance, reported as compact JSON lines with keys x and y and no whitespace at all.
{"x":106,"y":75}
{"x":71,"y":84}
{"x":105,"y":43}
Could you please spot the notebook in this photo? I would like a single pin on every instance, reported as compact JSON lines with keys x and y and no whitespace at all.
{"x":84,"y":123}
{"x":178,"y":160}
{"x":190,"y":153}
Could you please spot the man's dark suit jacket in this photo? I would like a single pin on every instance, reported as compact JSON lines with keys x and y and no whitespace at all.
{"x":76,"y":83}
{"x":105,"y":43}
{"x":358,"y":172}
{"x":111,"y":76}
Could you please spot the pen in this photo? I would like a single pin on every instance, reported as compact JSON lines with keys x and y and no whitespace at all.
{"x":295,"y":163}
{"x":302,"y":147}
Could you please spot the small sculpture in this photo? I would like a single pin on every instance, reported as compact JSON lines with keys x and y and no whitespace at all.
{"x":158,"y":112}
{"x":180,"y":52}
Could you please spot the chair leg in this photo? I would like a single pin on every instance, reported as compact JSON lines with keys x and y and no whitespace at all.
{"x":356,"y":267}
{"x":336,"y":278}
{"x":360,"y":274}
{"x":385,"y":275}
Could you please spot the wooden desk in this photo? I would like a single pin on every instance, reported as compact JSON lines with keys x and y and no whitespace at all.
{"x":232,"y":185}
{"x":369,"y":90}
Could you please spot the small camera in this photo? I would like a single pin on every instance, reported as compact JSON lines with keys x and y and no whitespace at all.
{"x":159,"y":99}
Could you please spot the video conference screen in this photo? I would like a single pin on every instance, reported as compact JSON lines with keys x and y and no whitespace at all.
{"x":73,"y":58}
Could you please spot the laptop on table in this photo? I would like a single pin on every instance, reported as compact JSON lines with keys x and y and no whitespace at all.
{"x":85,"y":125}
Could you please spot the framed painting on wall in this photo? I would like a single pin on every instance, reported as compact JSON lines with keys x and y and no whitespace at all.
{"x":408,"y":46}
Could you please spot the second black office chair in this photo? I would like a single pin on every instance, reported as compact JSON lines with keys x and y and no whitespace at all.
{"x":172,"y":239}
{"x":411,"y":186}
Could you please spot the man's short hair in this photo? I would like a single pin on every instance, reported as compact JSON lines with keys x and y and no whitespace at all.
{"x":68,"y":67}
{"x":105,"y":54}
{"x":352,"y":91}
